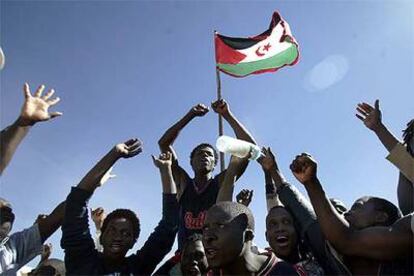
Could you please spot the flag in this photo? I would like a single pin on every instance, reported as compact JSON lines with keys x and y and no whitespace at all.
{"x":267,"y":52}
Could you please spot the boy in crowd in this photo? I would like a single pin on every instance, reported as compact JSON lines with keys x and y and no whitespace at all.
{"x":198,"y":194}
{"x":371,"y":236}
{"x":121,"y":228}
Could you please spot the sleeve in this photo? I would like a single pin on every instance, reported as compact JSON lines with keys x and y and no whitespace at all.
{"x":77,"y":242}
{"x":26,"y":244}
{"x":161,"y":239}
{"x":402,"y":160}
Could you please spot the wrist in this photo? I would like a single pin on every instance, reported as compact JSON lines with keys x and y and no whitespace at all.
{"x":24,"y":122}
{"x":379,"y":128}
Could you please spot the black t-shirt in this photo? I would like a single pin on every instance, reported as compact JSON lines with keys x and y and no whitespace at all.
{"x":194,"y":204}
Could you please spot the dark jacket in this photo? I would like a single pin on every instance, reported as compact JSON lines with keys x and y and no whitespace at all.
{"x":310,"y":230}
{"x":81,"y":257}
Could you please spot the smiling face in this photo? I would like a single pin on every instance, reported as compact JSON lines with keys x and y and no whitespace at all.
{"x":203,"y":160}
{"x":224,"y":236}
{"x":193,"y":259}
{"x":117,"y":238}
{"x":281,"y":233}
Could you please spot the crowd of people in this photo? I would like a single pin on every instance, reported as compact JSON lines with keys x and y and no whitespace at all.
{"x":216,"y":234}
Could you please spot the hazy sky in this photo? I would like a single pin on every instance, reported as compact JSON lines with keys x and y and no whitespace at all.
{"x":132,"y":68}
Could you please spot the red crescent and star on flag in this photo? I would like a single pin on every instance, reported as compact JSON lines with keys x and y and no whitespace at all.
{"x":264,"y":48}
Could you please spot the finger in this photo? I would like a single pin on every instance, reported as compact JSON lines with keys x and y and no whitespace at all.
{"x":55,"y":114}
{"x":362,"y":111}
{"x":377,"y":107}
{"x":154,"y":159}
{"x":360,"y":117}
{"x":26,"y":90}
{"x":130,"y":141}
{"x":39,"y":90}
{"x":53,"y":101}
{"x":271,"y":153}
{"x":49,"y":94}
{"x":364,"y":108}
{"x":367,"y":107}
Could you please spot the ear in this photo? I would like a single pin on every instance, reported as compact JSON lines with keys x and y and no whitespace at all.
{"x":267,"y":237}
{"x":248,"y":235}
{"x":381,"y":217}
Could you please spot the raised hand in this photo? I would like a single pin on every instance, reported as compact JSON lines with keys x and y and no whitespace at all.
{"x":267,"y":160}
{"x":370,"y":116}
{"x":35,"y":108}
{"x":221,"y":107}
{"x":98,"y":215}
{"x":129,"y":148}
{"x":304,"y":168}
{"x":46,"y":251}
{"x":163,"y":161}
{"x":199,"y":110}
{"x":244,"y":197}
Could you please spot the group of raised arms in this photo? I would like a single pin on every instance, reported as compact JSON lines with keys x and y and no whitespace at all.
{"x":215,"y":234}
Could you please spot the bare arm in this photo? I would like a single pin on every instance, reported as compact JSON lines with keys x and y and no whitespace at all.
{"x":166,"y":141}
{"x":227,"y":186}
{"x":49,"y":224}
{"x":35,"y":109}
{"x":163,"y":163}
{"x":379,"y":243}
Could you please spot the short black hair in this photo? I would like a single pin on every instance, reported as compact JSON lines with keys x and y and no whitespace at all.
{"x":127,"y":214}
{"x":408,"y":135}
{"x":192,"y":239}
{"x":387,"y":207}
{"x":235,"y":209}
{"x":205,"y":145}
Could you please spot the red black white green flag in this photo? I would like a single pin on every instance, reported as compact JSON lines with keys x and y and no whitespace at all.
{"x":267,"y":52}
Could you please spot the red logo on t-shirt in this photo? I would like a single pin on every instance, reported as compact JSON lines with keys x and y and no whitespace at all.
{"x":192,"y":222}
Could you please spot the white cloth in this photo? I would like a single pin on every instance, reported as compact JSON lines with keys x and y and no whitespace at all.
{"x":19,"y":249}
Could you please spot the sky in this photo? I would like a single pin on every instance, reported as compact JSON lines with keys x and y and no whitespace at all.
{"x":133,"y":68}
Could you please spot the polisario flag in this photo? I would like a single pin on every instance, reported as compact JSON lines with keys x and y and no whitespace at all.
{"x":267,"y":52}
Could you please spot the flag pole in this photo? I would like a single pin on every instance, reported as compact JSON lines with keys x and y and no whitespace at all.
{"x":220,"y":118}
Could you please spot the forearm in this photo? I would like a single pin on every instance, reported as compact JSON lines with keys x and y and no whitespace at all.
{"x":10,"y":138}
{"x":239,"y":130}
{"x":386,"y":137}
{"x":227,"y":185}
{"x":91,"y":180}
{"x":172,"y":133}
{"x":52,"y":222}
{"x":272,"y":199}
{"x":167,"y":180}
{"x":335,"y":228}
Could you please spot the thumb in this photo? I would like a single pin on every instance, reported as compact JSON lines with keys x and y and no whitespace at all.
{"x":55,"y":114}
{"x":377,"y":105}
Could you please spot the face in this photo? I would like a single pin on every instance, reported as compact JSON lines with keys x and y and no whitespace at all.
{"x":193,"y":259}
{"x":223,"y":238}
{"x":203,"y":160}
{"x":117,"y":238}
{"x":362,"y":214}
{"x":5,"y":226}
{"x":5,"y":229}
{"x":281,"y":233}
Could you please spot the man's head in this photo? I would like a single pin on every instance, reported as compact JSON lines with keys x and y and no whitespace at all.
{"x":372,"y":211}
{"x":193,"y":257}
{"x":227,"y":233}
{"x":203,"y":158}
{"x":408,"y":136}
{"x":281,"y":233}
{"x":338,"y":205}
{"x":120,"y":230}
{"x":6,"y":218}
{"x":53,"y":267}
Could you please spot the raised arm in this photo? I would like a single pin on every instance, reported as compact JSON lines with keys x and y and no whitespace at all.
{"x":49,"y":224}
{"x":162,"y":238}
{"x":166,"y":141}
{"x":231,"y":174}
{"x":34,"y":110}
{"x":381,"y":243}
{"x":244,"y":197}
{"x":222,"y":108}
{"x":372,"y":119}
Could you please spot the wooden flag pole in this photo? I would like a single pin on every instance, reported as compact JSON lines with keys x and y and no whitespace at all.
{"x":220,"y":119}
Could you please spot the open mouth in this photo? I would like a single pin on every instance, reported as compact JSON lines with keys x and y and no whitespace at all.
{"x":282,"y":241}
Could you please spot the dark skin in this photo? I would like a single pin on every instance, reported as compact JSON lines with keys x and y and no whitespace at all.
{"x":371,"y":116}
{"x":375,"y":243}
{"x":245,"y":197}
{"x":227,"y":243}
{"x":193,"y":259}
{"x":34,"y":110}
{"x":202,"y":176}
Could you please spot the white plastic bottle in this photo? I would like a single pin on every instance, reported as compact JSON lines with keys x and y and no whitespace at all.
{"x":238,"y":147}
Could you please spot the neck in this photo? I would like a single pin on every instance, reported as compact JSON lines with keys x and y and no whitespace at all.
{"x":201,"y":179}
{"x":113,"y":261}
